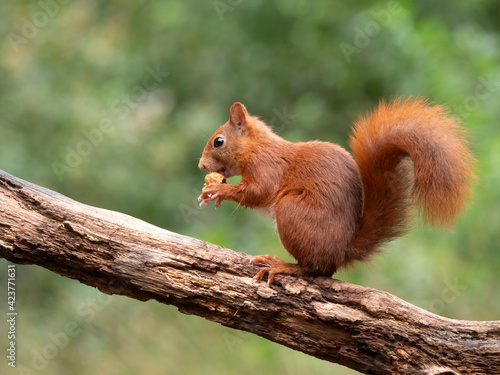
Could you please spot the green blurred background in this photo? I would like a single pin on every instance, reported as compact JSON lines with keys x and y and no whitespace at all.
{"x":148,"y":81}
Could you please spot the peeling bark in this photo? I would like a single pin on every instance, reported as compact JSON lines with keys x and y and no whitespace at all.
{"x":365,"y":329}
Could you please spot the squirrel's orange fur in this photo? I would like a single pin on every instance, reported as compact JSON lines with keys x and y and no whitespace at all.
{"x":331,"y":209}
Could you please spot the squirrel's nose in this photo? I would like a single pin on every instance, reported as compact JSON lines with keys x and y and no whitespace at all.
{"x":202,"y":166}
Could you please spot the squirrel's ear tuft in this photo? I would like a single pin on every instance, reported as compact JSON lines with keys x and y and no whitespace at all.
{"x":238,"y":115}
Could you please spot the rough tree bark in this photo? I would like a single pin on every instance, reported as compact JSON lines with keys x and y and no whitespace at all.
{"x":367,"y":330}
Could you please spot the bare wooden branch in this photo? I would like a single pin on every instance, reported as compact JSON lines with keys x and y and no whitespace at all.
{"x":367,"y":330}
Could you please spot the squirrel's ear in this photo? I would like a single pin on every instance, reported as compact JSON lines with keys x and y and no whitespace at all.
{"x":238,"y":115}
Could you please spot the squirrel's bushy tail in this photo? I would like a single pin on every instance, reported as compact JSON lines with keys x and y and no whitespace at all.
{"x":438,"y":183}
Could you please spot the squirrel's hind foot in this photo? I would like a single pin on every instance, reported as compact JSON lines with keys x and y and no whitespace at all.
{"x":274,"y":265}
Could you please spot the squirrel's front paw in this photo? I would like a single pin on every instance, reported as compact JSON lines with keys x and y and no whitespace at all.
{"x":212,"y":192}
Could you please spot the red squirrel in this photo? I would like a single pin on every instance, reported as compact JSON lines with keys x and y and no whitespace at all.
{"x":332,"y":209}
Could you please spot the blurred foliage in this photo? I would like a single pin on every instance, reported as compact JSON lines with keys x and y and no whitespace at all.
{"x":111,"y":103}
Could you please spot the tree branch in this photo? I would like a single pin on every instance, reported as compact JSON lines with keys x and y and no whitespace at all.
{"x":367,"y":330}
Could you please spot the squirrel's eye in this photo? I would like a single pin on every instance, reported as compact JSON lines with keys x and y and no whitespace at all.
{"x":219,"y":141}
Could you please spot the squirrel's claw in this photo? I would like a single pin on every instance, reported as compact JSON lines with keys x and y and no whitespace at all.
{"x":273,"y":266}
{"x":208,"y":194}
